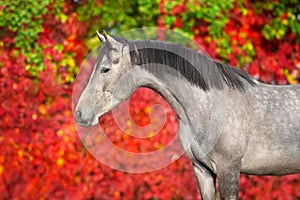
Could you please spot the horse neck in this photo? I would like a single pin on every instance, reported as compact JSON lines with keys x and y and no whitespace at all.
{"x":200,"y":113}
{"x":184,"y":98}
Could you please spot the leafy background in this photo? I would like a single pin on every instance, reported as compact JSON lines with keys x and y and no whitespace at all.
{"x":42,"y":44}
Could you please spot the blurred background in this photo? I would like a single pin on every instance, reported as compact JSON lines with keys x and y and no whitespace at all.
{"x":42,"y":44}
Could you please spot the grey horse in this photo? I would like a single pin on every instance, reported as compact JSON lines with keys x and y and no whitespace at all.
{"x":228,"y":122}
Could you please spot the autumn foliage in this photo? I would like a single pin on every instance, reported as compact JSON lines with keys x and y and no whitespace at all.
{"x":41,"y":48}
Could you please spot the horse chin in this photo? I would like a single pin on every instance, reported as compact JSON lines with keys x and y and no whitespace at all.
{"x":95,"y":119}
{"x":87,"y":124}
{"x":95,"y":122}
{"x":100,"y":115}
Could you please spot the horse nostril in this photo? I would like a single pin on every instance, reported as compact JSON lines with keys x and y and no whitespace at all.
{"x":77,"y":115}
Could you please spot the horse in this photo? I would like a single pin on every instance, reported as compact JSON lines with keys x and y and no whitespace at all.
{"x":228,"y":122}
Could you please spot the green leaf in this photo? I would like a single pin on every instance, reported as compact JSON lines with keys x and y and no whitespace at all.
{"x":63,"y":18}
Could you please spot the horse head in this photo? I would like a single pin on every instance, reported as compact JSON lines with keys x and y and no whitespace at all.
{"x":106,"y":88}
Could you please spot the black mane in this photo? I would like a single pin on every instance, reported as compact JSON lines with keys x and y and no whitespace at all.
{"x":198,"y":69}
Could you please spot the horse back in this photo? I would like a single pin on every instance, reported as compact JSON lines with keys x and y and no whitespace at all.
{"x":273,"y":140}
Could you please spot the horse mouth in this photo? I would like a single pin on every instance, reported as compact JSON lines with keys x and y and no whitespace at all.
{"x":86,"y":123}
{"x":93,"y":122}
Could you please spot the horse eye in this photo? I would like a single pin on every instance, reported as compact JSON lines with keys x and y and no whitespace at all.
{"x":116,"y":61}
{"x":104,"y":70}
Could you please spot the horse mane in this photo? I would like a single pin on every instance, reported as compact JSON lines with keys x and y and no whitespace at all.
{"x":197,"y":68}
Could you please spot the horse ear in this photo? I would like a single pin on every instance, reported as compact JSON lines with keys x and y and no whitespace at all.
{"x":114,"y":43}
{"x":110,"y":40}
{"x":101,"y":37}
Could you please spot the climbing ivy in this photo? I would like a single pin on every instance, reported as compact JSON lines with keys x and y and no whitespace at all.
{"x":24,"y":20}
